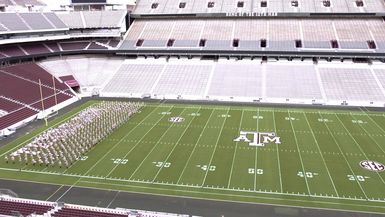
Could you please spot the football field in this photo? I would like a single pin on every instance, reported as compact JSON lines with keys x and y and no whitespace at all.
{"x":298,"y":157}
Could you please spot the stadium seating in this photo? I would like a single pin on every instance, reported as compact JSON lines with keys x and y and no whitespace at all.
{"x":183,"y":79}
{"x":279,"y":34}
{"x":134,"y":79}
{"x":297,"y":81}
{"x":16,"y":22}
{"x":9,"y":105}
{"x":42,"y":48}
{"x":13,"y":206}
{"x":20,"y":92}
{"x":11,"y":51}
{"x":88,"y":71}
{"x":350,"y":84}
{"x":236,"y":80}
{"x":78,"y":212}
{"x":35,"y":48}
{"x":290,"y":81}
{"x":76,"y":45}
{"x":21,"y":2}
{"x":92,"y":19}
{"x":255,"y":7}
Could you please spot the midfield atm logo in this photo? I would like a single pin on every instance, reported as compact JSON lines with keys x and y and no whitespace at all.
{"x":258,"y":138}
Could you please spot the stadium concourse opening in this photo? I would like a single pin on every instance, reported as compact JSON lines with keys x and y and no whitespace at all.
{"x":208,"y":100}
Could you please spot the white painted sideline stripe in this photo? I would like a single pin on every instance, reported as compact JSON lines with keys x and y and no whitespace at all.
{"x":189,"y":186}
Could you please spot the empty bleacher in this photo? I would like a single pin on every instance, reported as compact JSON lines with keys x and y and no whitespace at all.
{"x":9,"y":105}
{"x":74,"y":45}
{"x":72,"y":211}
{"x":25,"y":208}
{"x":297,"y":81}
{"x":134,"y":79}
{"x":35,"y":48}
{"x":72,"y":20}
{"x":17,"y":22}
{"x":247,"y":34}
{"x":26,"y":89}
{"x":43,"y":48}
{"x":183,"y":79}
{"x":320,"y":41}
{"x":291,"y":81}
{"x":10,"y":206}
{"x":236,"y":80}
{"x":256,"y":7}
{"x":24,"y":2}
{"x":11,"y":50}
{"x":350,"y":84}
{"x":88,"y":71}
{"x":92,"y":19}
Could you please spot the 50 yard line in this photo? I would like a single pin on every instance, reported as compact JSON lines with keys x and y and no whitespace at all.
{"x":256,"y":157}
{"x":279,"y":162}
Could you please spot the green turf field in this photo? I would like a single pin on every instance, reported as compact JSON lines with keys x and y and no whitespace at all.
{"x":316,"y":164}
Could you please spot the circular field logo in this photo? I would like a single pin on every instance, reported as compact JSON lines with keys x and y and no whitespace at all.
{"x":372,"y":165}
{"x":176,"y":119}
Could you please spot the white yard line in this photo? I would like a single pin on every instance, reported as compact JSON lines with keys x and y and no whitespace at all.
{"x":196,"y":144}
{"x":279,"y":162}
{"x":233,"y":201}
{"x":44,"y":131}
{"x":180,"y":185}
{"x":113,"y":199}
{"x":299,"y":153}
{"x":358,"y":145}
{"x":216,"y":145}
{"x":378,"y":126}
{"x":253,"y":196}
{"x":113,"y":147}
{"x":67,"y":190}
{"x":346,"y":160}
{"x":256,"y":158}
{"x":320,"y":152}
{"x":57,"y":190}
{"x":153,"y":148}
{"x":235,"y":151}
{"x":137,"y":142}
{"x":175,"y":145}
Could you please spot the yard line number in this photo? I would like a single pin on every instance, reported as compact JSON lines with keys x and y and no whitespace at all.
{"x":162,"y":164}
{"x":253,"y":171}
{"x":307,"y":174}
{"x":207,"y":168}
{"x":119,"y":161}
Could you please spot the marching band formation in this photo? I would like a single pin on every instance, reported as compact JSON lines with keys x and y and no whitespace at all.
{"x":65,"y":144}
